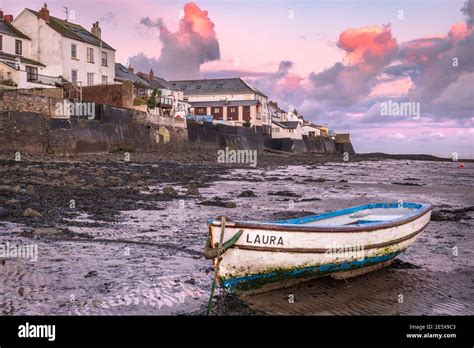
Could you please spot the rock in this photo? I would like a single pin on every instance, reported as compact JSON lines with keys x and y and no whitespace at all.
{"x":170,"y":191}
{"x":31,"y":213}
{"x":12,"y":189}
{"x":12,"y":202}
{"x":247,"y":193}
{"x":48,"y":232}
{"x":91,"y":274}
{"x":230,"y":205}
{"x":30,"y":190}
{"x":113,"y":180}
{"x":193,"y":190}
{"x":285,"y":193}
{"x":70,"y":179}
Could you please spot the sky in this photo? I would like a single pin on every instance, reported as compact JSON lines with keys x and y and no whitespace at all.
{"x":397,"y":75}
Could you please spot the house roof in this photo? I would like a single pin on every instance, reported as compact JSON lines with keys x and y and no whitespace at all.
{"x":157,"y":82}
{"x":220,"y":103}
{"x":215,"y":86}
{"x":8,"y":29}
{"x":12,"y":58}
{"x":311,"y":125}
{"x":73,"y":31}
{"x":123,"y":74}
{"x":287,"y":125}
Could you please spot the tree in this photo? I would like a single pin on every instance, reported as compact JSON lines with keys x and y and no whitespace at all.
{"x":152,"y":100}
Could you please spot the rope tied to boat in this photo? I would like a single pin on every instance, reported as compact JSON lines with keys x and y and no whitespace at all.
{"x":211,"y":253}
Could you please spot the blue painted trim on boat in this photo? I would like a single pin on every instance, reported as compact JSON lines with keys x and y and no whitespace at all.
{"x":417,"y":208}
{"x":232,"y":283}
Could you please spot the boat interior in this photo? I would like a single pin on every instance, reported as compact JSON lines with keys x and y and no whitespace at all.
{"x":376,"y":213}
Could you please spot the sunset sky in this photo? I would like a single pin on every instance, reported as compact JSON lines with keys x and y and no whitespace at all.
{"x":336,"y":61}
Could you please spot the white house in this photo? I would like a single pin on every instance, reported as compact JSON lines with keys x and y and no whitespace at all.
{"x":289,"y":129}
{"x":310,"y":130}
{"x":17,"y":68}
{"x":276,"y":113}
{"x":230,"y":100}
{"x":67,"y":49}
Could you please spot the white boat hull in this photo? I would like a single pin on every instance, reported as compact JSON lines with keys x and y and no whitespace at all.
{"x":262,"y":259}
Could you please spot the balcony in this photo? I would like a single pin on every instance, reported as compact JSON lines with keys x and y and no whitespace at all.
{"x":165,"y":102}
{"x":44,"y":80}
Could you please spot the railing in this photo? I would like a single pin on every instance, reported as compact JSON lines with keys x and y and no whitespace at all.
{"x":45,"y":80}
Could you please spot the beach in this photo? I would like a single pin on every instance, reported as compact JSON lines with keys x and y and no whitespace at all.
{"x":120,"y":237}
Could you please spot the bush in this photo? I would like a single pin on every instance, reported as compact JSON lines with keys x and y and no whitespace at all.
{"x":139,"y":101}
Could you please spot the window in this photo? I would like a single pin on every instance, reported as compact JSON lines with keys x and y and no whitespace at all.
{"x":31,"y":73}
{"x":219,"y":85}
{"x":198,"y":87}
{"x":217,"y":110}
{"x":104,"y":79}
{"x":18,"y":47}
{"x":74,"y":51}
{"x":1,"y":42}
{"x":232,"y":109}
{"x":104,"y":58}
{"x":74,"y":76}
{"x":90,"y":55}
{"x":183,"y":87}
{"x":90,"y":79}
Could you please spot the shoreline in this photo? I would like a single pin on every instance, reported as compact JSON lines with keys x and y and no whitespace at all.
{"x":266,"y":158}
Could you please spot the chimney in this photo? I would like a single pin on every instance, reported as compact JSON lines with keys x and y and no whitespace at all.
{"x":8,"y":18}
{"x":152,"y":76}
{"x":96,"y":30}
{"x":130,"y":69}
{"x":44,"y":13}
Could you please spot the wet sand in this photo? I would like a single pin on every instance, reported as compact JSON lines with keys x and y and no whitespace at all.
{"x":132,"y":245}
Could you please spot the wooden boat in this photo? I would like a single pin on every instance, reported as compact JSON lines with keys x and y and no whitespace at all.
{"x":260,"y":256}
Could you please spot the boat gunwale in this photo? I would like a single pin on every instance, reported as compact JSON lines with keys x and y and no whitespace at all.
{"x":326,"y":250}
{"x":286,"y":227}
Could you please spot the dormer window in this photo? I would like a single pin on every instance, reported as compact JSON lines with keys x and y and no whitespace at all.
{"x":198,"y":87}
{"x":219,"y":85}
{"x":18,"y":47}
{"x":183,"y":87}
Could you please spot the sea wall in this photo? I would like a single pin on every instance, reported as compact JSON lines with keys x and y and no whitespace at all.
{"x":29,"y":124}
{"x":213,"y":136}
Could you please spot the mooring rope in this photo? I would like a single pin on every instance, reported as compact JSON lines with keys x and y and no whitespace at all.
{"x":216,"y":265}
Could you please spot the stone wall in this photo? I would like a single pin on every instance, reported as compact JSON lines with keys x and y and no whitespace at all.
{"x":208,"y":135}
{"x":57,"y":93}
{"x":118,"y":95}
{"x":21,"y":102}
{"x":27,"y":126}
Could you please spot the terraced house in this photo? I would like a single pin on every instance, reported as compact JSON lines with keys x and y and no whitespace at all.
{"x":67,"y":49}
{"x":230,"y":100}
{"x":17,"y":68}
